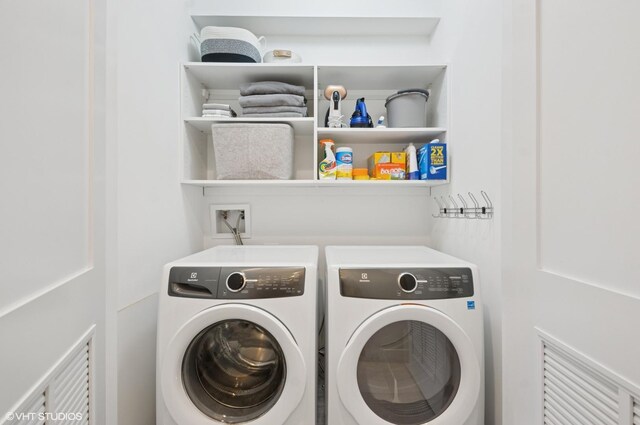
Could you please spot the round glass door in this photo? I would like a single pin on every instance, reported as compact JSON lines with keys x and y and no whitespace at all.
{"x":408,"y":372}
{"x":234,"y":371}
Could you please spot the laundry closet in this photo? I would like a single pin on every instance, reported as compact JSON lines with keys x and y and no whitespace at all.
{"x":532,"y":106}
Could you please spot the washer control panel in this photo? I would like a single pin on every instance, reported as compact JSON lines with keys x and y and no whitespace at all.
{"x":261,"y":282}
{"x":236,"y":282}
{"x":407,"y":284}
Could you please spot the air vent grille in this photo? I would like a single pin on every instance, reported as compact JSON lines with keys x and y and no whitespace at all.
{"x":636,"y":412}
{"x":62,"y":396}
{"x":574,"y":394}
{"x":70,"y":388}
{"x":32,"y":413}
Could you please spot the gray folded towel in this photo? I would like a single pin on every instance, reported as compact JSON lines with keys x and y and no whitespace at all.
{"x":270,"y":87}
{"x":269,"y":109}
{"x":275,"y":114}
{"x":272,"y":100}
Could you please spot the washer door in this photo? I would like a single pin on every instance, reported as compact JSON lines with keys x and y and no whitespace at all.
{"x":409,"y":365}
{"x":233,"y":363}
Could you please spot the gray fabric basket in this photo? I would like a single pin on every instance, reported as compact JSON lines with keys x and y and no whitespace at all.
{"x":229,"y":50}
{"x":253,"y":151}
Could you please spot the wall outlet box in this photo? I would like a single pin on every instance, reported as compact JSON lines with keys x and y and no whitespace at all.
{"x":219,"y":230}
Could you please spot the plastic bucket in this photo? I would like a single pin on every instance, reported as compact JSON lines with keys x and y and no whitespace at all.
{"x":407,"y":108}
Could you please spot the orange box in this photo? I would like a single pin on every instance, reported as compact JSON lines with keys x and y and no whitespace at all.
{"x":389,"y":171}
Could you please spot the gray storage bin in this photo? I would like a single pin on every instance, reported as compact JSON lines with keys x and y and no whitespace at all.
{"x":253,"y":151}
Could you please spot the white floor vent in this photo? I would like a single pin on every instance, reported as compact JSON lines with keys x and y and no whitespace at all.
{"x":636,"y":412}
{"x":63,"y":395}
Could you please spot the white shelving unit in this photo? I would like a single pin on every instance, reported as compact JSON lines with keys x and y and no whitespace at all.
{"x":220,"y":82}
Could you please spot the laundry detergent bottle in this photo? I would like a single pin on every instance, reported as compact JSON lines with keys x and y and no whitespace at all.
{"x":327,"y":167}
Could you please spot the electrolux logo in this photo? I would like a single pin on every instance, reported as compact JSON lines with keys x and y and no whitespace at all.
{"x":364,"y":278}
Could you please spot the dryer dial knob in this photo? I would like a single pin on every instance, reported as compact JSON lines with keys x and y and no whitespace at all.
{"x":236,"y":282}
{"x":407,"y":282}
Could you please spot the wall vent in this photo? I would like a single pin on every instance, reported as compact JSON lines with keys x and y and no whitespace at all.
{"x":576,"y":390}
{"x":69,"y":391}
{"x":32,"y":413}
{"x":575,"y":394}
{"x":63,"y":395}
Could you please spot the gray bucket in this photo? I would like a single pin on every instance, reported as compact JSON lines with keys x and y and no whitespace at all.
{"x":407,"y":108}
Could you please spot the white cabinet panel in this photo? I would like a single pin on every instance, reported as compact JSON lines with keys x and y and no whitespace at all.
{"x":44,"y":144}
{"x":589,"y":101}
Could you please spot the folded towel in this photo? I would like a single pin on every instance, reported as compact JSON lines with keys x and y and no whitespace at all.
{"x":275,"y":114}
{"x":222,"y":106}
{"x":230,"y":113}
{"x":216,"y":111}
{"x":269,"y":109}
{"x":270,"y":87}
{"x":272,"y":100}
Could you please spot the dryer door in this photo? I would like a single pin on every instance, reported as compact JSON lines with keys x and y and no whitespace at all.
{"x":233,"y":363}
{"x":409,"y":365}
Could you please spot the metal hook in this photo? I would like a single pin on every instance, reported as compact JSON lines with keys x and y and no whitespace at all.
{"x":440,"y":209}
{"x":446,"y":209}
{"x":486,"y":199}
{"x":465,"y":209}
{"x":455,"y":206}
{"x":487,"y":211}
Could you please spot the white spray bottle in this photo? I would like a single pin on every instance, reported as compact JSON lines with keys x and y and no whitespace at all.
{"x":412,"y":163}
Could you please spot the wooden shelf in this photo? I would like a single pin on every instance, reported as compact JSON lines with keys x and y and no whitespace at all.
{"x":422,"y":26}
{"x":302,"y":126}
{"x":316,"y":183}
{"x":400,"y":136}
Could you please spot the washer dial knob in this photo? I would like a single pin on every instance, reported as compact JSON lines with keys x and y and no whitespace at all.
{"x":407,"y":282}
{"x":236,"y":282}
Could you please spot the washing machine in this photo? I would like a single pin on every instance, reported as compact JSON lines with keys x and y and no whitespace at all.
{"x":404,"y":338}
{"x":237,"y":337}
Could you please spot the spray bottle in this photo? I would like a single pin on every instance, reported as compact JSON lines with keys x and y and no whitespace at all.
{"x":413,"y":173}
{"x":327,"y":167}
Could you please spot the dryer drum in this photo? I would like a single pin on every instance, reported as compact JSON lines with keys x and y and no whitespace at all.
{"x":234,"y":368}
{"x":408,"y":373}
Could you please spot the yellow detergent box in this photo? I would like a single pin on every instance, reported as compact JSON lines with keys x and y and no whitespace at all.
{"x":399,"y":158}
{"x":378,"y":158}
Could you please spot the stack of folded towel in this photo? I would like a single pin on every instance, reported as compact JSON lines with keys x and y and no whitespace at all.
{"x":217,"y":110}
{"x":272,"y":99}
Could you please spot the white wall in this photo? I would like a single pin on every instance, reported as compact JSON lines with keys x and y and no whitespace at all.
{"x":469,"y":37}
{"x":157,"y":220}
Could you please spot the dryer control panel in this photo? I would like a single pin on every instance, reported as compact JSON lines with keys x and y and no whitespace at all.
{"x":407,"y":284}
{"x":236,"y":283}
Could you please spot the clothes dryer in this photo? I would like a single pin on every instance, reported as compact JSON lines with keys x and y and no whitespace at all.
{"x":404,"y":338}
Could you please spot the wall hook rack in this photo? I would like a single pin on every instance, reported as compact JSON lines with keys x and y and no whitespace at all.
{"x":451,"y":209}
